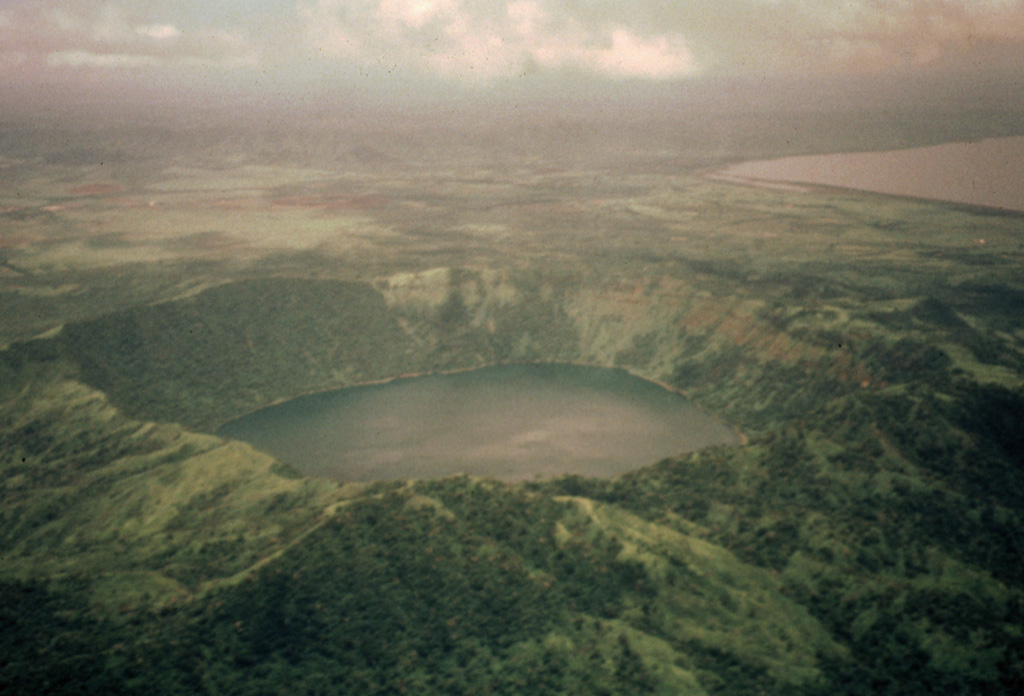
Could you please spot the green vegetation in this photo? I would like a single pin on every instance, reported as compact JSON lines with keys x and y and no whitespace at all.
{"x":864,"y":540}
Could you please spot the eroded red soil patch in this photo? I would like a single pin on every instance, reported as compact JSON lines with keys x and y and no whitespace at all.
{"x":333,"y":202}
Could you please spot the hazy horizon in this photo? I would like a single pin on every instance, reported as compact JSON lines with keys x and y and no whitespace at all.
{"x":396,"y":62}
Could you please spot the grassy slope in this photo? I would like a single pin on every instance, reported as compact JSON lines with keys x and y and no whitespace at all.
{"x":139,"y":512}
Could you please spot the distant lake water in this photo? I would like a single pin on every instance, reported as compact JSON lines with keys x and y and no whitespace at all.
{"x":984,"y":173}
{"x":510,"y":422}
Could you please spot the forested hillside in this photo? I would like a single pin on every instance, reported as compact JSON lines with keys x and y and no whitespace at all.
{"x":865,"y":540}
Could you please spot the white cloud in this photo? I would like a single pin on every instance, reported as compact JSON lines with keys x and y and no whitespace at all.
{"x":628,"y":55}
{"x":413,"y":13}
{"x":874,"y":36}
{"x":329,"y":30}
{"x":160,"y":32}
{"x":478,"y":40}
{"x":490,"y":40}
{"x":117,"y":36}
{"x":526,"y":17}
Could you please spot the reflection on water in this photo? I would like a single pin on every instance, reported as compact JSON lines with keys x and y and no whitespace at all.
{"x":509,"y":422}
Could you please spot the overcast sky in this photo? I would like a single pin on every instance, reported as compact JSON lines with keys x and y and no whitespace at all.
{"x":276,"y":50}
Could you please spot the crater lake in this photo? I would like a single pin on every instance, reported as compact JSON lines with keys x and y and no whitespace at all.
{"x":509,"y":422}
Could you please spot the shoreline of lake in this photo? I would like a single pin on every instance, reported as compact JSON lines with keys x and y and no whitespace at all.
{"x":982,"y":174}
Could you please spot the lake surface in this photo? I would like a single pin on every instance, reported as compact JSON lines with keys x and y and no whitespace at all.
{"x":984,"y":173}
{"x":510,"y":422}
